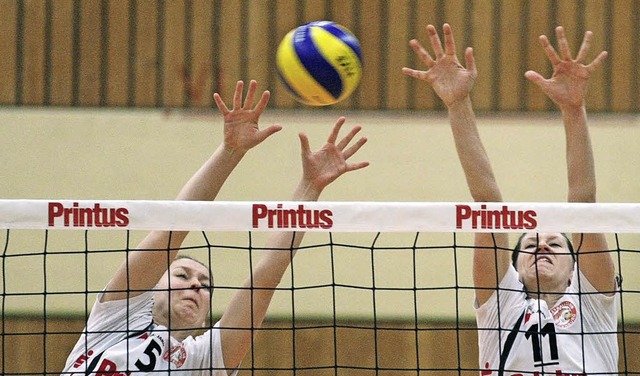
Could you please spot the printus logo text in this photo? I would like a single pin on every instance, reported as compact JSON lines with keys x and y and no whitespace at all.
{"x":95,"y":216}
{"x":495,"y":219}
{"x":290,"y":218}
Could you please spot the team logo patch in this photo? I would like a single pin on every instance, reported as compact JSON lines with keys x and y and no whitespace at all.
{"x":564,"y":314}
{"x":177,"y":354}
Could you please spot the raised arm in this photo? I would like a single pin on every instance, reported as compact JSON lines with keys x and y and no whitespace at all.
{"x":319,"y":169}
{"x":143,"y":268}
{"x":567,"y":88}
{"x":453,"y":82}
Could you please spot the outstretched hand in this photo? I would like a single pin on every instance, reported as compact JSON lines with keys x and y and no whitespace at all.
{"x":450,"y":80}
{"x":324,"y":166}
{"x":241,"y":130}
{"x":567,"y":86}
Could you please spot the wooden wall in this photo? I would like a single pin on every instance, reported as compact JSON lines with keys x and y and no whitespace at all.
{"x":176,"y":53}
{"x":394,"y":348}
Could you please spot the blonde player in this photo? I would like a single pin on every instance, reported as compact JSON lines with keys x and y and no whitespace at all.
{"x":145,"y":320}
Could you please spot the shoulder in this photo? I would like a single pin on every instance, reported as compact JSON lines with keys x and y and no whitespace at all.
{"x":585,"y":294}
{"x":204,"y":350}
{"x":509,"y":294}
{"x":133,"y":303}
{"x":123,"y":312}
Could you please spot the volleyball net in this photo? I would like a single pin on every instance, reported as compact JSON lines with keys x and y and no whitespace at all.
{"x":375,"y":288}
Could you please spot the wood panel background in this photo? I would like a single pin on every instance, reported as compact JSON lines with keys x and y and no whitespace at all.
{"x":394,"y":348}
{"x":176,"y":53}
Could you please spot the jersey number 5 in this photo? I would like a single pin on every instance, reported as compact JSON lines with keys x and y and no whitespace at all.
{"x":150,"y":351}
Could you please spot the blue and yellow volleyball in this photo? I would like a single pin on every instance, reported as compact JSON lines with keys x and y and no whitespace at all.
{"x":320,"y":63}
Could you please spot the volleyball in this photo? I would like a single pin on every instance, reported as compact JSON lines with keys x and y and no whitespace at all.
{"x":320,"y":63}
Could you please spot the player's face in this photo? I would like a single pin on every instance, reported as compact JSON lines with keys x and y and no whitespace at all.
{"x":545,"y":262}
{"x":187,"y":303}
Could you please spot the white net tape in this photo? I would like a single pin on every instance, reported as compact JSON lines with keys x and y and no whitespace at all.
{"x":321,"y":216}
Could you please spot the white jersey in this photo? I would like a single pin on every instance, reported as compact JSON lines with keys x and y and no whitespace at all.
{"x":577,"y":336}
{"x":121,"y":339}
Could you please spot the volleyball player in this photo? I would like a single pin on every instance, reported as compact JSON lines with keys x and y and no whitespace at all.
{"x":542,"y":308}
{"x":146,"y":319}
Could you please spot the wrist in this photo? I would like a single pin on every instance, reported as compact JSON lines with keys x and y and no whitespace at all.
{"x":573,"y":112}
{"x":460,"y":104}
{"x":307,"y":191}
{"x":573,"y":109}
{"x":231,"y":152}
